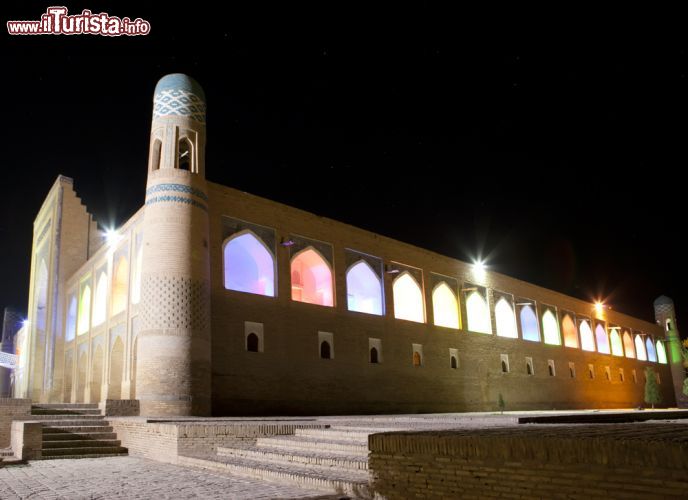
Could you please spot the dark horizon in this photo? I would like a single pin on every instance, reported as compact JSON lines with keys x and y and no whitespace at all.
{"x":554,"y":162}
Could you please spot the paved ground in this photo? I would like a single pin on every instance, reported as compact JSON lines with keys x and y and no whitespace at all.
{"x":132,"y":478}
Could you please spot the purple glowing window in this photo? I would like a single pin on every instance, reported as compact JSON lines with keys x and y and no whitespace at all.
{"x":602,"y":340}
{"x":529,"y":324}
{"x":363,"y":289}
{"x":249,"y":266}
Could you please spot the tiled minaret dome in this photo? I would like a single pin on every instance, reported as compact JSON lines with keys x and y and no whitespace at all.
{"x":178,"y":94}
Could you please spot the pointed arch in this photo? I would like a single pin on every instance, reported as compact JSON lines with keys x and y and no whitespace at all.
{"x":529,"y":324}
{"x":116,"y":369}
{"x":185,"y":155}
{"x":100,"y":302}
{"x":650,"y":347}
{"x":120,"y":285}
{"x":82,"y":370}
{"x":661,"y":353}
{"x":96,"y":374}
{"x":615,"y":340}
{"x":408,"y":298}
{"x":83,"y":321}
{"x":505,"y":319}
{"x":628,"y":345}
{"x":478,"y":314}
{"x":445,"y":306}
{"x":602,"y":339}
{"x":311,"y":278}
{"x":570,"y":334}
{"x":70,"y":327}
{"x":249,"y":265}
{"x":640,"y":349}
{"x":550,"y":328}
{"x":363,"y":289}
{"x":42,"y":295}
{"x":587,"y":337}
{"x":138,"y":268}
{"x":156,"y":149}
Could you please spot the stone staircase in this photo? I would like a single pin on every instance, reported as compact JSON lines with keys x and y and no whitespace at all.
{"x":333,"y":459}
{"x":75,"y":431}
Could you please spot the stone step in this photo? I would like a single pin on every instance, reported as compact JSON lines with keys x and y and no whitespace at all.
{"x":95,"y":450}
{"x":299,"y":457}
{"x":350,"y":482}
{"x":68,"y":436}
{"x":72,"y":423}
{"x":309,"y":443}
{"x":90,"y":455}
{"x":43,"y":418}
{"x":76,"y":429}
{"x":65,"y":405}
{"x":366,"y":429}
{"x":82,"y":443}
{"x":70,"y":412}
{"x":340,"y":435}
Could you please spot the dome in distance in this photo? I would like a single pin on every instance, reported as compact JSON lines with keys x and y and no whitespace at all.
{"x":179,"y":95}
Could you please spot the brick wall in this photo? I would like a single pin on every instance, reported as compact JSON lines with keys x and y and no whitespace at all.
{"x":11,"y":408}
{"x":612,"y":461}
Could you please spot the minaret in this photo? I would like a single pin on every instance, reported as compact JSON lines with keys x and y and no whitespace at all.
{"x":173,"y":353}
{"x":665,"y":315}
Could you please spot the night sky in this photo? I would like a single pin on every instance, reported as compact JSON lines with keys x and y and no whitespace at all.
{"x":554,"y":156}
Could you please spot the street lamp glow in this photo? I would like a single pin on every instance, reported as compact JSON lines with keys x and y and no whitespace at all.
{"x":479,"y":270}
{"x":112,"y":237}
{"x":599,"y":307}
{"x":25,"y":323}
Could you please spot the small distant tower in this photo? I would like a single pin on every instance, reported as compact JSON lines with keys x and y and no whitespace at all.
{"x":173,"y":345}
{"x":665,"y":315}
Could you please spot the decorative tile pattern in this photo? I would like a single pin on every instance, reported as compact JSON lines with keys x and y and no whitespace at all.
{"x":179,"y":102}
{"x":179,"y":188}
{"x":176,"y":199}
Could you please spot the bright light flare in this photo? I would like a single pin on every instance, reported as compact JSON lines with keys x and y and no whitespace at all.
{"x":112,"y":237}
{"x":479,"y":270}
{"x":599,"y":307}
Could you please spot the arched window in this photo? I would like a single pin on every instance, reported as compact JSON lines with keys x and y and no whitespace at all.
{"x":453,"y":363}
{"x":373,"y":355}
{"x":550,"y":369}
{"x":311,"y":279}
{"x":119,"y":285}
{"x":325,"y":349}
{"x":505,"y":368}
{"x":602,"y":339}
{"x":478,"y":313}
{"x":83,"y":321}
{"x":100,"y":304}
{"x":617,"y":345}
{"x":156,"y":149}
{"x":185,"y":159}
{"x":504,"y":317}
{"x":252,"y":342}
{"x":651,"y":353}
{"x":416,"y":359}
{"x":587,"y":338}
{"x":138,"y":267}
{"x":640,"y":349}
{"x":42,"y":296}
{"x":445,"y":307}
{"x":70,"y":330}
{"x":661,"y":353}
{"x":550,"y":328}
{"x":628,"y":345}
{"x":529,"y":369}
{"x":363,"y":289}
{"x":529,"y":324}
{"x":408,"y":299}
{"x":248,"y":265}
{"x":570,"y":333}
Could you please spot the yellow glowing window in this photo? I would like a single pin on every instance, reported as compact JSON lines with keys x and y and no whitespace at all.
{"x":119,"y":285}
{"x":478,"y":313}
{"x":408,"y":299}
{"x":100,"y":304}
{"x":570,"y":334}
{"x":550,"y":328}
{"x":628,"y":345}
{"x":445,"y":308}
{"x":311,"y":279}
{"x":587,"y":338}
{"x":617,"y":346}
{"x":505,"y":319}
{"x":84,"y":310}
{"x":661,"y":353}
{"x":640,"y":349}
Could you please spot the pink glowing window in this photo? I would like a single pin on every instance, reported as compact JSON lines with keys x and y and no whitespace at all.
{"x":602,"y":340}
{"x":363,"y":289}
{"x":311,"y":279}
{"x":628,"y":345}
{"x":570,"y":333}
{"x":249,"y":266}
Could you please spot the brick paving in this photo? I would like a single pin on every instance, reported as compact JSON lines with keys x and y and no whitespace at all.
{"x":133,"y":478}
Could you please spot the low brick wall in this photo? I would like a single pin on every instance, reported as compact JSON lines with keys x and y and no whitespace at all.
{"x":27,"y":440}
{"x":166,"y":441}
{"x":612,"y":461}
{"x":11,"y":408}
{"x":120,"y":407}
